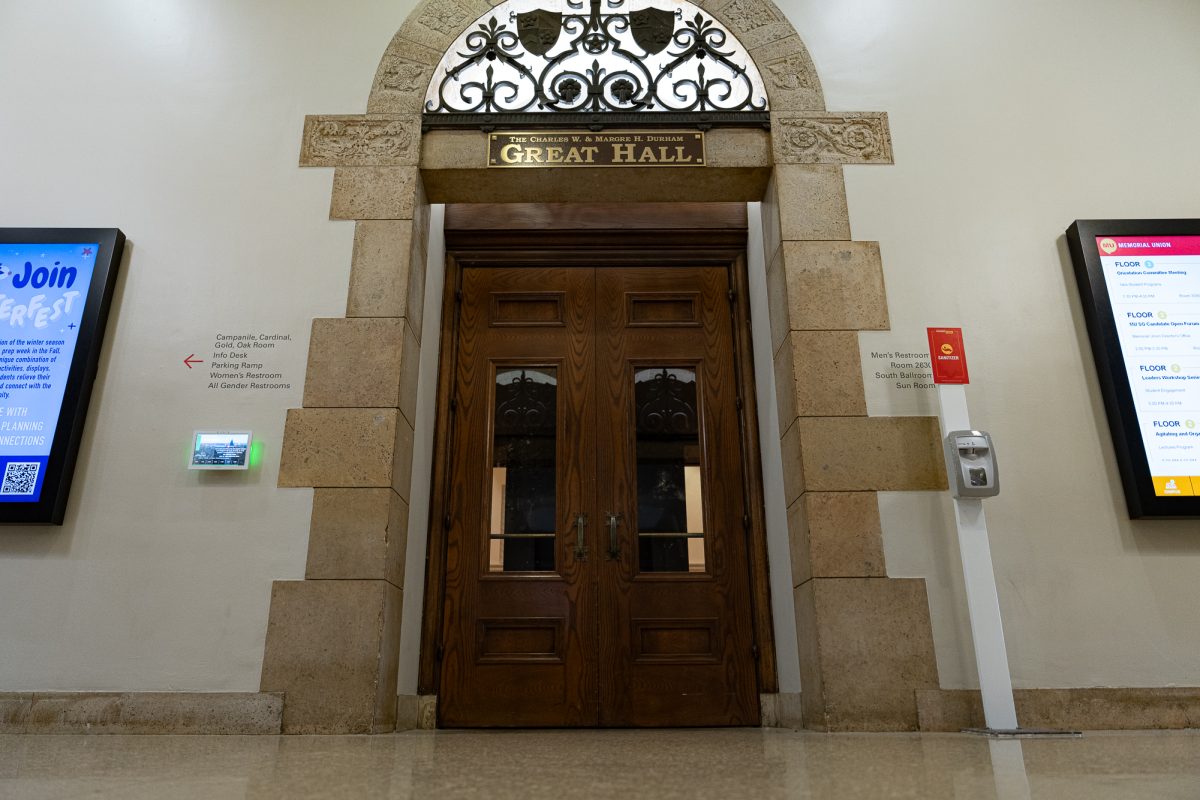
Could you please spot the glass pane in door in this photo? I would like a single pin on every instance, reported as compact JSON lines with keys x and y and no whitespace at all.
{"x":670,"y":489}
{"x":524,"y":514}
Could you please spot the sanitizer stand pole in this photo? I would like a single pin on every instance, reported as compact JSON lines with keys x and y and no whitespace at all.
{"x":983,"y":602}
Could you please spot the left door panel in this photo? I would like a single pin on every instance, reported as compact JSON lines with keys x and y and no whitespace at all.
{"x":519,"y":625}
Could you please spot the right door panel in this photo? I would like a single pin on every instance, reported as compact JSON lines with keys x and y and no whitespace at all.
{"x":675,"y":639}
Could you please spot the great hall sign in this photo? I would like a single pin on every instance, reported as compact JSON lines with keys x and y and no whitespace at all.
{"x":649,"y":148}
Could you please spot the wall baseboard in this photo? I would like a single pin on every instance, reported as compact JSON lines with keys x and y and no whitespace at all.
{"x":142,"y":712}
{"x":1074,"y":709}
{"x":262,"y":712}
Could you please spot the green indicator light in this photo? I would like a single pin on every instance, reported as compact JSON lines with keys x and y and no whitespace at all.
{"x":256,"y":453}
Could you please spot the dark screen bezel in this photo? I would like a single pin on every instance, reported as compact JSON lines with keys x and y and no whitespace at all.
{"x":1119,"y":405}
{"x":51,"y":507}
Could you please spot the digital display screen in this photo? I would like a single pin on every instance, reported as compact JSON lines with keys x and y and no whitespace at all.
{"x":1154,"y":286}
{"x":220,"y":450}
{"x":1140,"y":283}
{"x":43,"y":291}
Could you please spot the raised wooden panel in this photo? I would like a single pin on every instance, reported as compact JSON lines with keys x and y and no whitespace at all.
{"x":517,"y":640}
{"x":677,"y":641}
{"x":662,"y":309}
{"x":526,"y":309}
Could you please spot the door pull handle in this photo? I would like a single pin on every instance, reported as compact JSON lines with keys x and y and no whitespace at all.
{"x":614,"y":546}
{"x":581,"y":551}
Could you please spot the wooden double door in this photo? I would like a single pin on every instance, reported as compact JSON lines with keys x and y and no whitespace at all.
{"x":596,"y":560}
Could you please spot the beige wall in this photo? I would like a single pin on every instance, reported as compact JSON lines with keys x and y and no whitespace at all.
{"x":1007,"y":126}
{"x":179,"y":121}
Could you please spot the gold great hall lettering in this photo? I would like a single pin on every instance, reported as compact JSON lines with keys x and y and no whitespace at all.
{"x":610,"y":149}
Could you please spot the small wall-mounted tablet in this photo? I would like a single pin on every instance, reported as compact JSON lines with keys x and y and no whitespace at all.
{"x":220,"y":450}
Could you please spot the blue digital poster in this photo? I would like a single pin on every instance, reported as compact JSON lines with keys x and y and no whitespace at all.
{"x":43,"y":294}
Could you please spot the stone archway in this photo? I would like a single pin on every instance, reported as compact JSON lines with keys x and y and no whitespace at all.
{"x":865,"y":640}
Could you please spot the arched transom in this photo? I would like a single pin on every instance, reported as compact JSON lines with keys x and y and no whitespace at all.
{"x":597,"y":58}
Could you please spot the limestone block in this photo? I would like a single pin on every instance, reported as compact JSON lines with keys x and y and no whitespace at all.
{"x":418,"y":260}
{"x":772,"y":235}
{"x":811,"y":201}
{"x":210,"y":713}
{"x":793,"y":467}
{"x":819,"y":374}
{"x":381,"y":271}
{"x":785,"y":384}
{"x":410,"y":368}
{"x":1163,"y":707}
{"x":343,"y":141}
{"x":754,"y":22}
{"x":777,"y":301}
{"x":789,"y":710}
{"x":789,"y":75}
{"x":781,"y":710}
{"x":797,"y":525}
{"x":950,"y":710}
{"x":332,"y":648}
{"x":871,"y":454}
{"x":339,"y":447}
{"x":812,"y":682}
{"x":357,"y":363}
{"x":835,"y":535}
{"x":1088,"y":709}
{"x":437,"y":23}
{"x":731,"y":148}
{"x":374,"y":192}
{"x":402,"y":450}
{"x":14,"y":712}
{"x":831,"y":286}
{"x":831,"y":138}
{"x":358,"y":534}
{"x":403,"y":77}
{"x":426,"y":712}
{"x":406,"y":712}
{"x":461,"y":149}
{"x":872,"y":644}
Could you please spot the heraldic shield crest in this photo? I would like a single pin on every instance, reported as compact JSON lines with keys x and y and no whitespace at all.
{"x":539,"y":30}
{"x":652,"y":28}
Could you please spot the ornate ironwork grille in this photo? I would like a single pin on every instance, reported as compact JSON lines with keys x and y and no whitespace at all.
{"x":598,"y":63}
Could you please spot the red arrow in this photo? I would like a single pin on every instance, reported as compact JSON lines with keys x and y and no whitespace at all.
{"x":192,"y":360}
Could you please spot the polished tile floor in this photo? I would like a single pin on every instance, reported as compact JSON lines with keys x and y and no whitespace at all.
{"x":566,"y":765}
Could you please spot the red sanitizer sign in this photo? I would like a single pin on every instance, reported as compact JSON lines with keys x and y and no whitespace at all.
{"x":947,"y":356}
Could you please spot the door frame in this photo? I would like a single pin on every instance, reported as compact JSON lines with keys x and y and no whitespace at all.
{"x":599,"y":235}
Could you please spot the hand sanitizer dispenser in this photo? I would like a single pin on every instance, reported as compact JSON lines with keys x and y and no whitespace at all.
{"x":971,"y":464}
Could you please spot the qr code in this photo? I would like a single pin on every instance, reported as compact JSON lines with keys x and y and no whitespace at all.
{"x":20,"y":477}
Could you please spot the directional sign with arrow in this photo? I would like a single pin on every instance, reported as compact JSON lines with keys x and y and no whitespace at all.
{"x":191,"y":359}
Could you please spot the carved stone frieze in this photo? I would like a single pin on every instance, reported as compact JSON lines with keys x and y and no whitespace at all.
{"x":342,"y":141}
{"x":790,"y":73}
{"x":403,"y":76}
{"x":445,"y":17}
{"x":750,"y":15}
{"x":862,"y":138}
{"x":399,"y":86}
